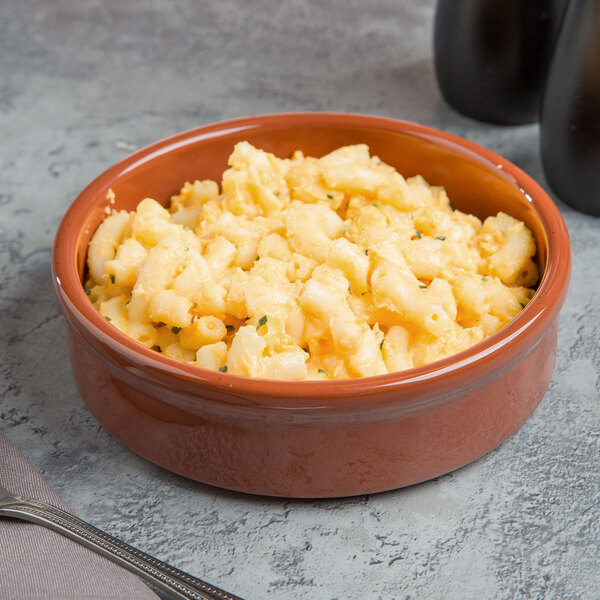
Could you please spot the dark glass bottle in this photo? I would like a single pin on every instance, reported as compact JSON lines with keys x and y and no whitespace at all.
{"x":492,"y":56}
{"x":570,"y":122}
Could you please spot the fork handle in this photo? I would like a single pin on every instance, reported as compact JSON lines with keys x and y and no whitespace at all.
{"x":179,"y":584}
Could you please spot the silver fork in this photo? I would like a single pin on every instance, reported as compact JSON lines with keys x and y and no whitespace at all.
{"x":165,"y":577}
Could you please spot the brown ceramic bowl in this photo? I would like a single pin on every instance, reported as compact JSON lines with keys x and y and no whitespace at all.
{"x":315,"y":439}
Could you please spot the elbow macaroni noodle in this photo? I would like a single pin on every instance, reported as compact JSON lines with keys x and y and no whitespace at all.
{"x":307,"y":268}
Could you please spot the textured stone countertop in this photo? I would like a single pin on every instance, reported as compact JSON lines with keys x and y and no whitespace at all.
{"x":82,"y":84}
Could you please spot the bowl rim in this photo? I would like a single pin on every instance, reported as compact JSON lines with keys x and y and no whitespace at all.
{"x":476,"y":362}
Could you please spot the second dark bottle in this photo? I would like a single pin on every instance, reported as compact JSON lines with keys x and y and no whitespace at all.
{"x":492,"y":56}
{"x":570,"y":121}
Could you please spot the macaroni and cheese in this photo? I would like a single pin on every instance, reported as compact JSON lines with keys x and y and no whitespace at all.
{"x":309,"y":268}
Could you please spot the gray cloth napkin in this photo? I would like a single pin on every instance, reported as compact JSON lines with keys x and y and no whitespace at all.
{"x":36,"y":562}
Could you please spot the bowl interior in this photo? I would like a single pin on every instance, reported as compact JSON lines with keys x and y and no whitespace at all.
{"x":477,"y":181}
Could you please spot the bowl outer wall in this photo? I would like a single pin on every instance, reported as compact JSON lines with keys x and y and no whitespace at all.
{"x":275,"y":454}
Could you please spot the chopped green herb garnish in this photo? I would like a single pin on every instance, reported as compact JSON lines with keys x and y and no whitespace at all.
{"x":108,"y":319}
{"x":330,"y":196}
{"x":375,"y":205}
{"x":381,"y":343}
{"x":112,"y":278}
{"x":88,"y":292}
{"x":345,"y":230}
{"x":223,"y":369}
{"x":418,"y":234}
{"x":367,"y":251}
{"x":229,"y":328}
{"x":261,"y":322}
{"x":175,"y":330}
{"x":257,"y":257}
{"x":423,"y":287}
{"x":324,"y":372}
{"x":484,"y":278}
{"x":440,"y":237}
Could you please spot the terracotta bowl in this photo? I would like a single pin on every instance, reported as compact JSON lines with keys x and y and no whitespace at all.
{"x":315,"y":439}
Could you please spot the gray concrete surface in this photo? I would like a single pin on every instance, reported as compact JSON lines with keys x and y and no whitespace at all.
{"x":82,"y":84}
